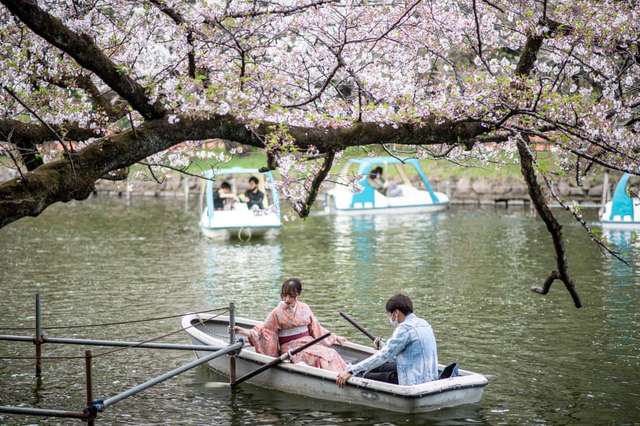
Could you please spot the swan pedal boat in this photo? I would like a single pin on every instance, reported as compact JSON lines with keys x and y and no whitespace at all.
{"x":342,"y":200}
{"x":623,"y":211}
{"x":302,"y":379}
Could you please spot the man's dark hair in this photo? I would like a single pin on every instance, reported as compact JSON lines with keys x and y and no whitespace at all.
{"x":401,"y":303}
{"x":225,"y":185}
{"x":254,"y":180}
{"x":291,"y":287}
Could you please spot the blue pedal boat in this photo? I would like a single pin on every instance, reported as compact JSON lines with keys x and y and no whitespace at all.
{"x":623,"y":211}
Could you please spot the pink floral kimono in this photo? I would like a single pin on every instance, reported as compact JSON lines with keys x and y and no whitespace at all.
{"x":286,"y":329}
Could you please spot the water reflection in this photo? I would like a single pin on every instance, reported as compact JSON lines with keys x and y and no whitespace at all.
{"x":620,"y":299}
{"x":468,"y":272}
{"x":236,"y":271}
{"x":363,"y":246}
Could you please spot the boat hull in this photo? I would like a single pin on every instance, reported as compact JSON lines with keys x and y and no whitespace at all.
{"x":320,"y":384}
{"x":620,"y":225}
{"x":425,"y":208}
{"x":240,"y":233}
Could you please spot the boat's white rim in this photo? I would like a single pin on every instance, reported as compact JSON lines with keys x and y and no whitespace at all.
{"x":468,"y":379}
{"x":619,"y":225}
{"x":402,"y":206}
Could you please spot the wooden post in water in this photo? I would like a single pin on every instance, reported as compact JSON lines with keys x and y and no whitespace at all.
{"x":605,"y":191}
{"x":232,"y":340}
{"x":38,"y":337}
{"x":185,"y":187}
{"x":89,"y":384}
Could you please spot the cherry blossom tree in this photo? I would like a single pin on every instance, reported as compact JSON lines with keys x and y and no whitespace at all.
{"x":118,"y":82}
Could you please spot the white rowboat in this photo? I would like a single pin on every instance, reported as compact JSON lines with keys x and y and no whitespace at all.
{"x":301,"y":379}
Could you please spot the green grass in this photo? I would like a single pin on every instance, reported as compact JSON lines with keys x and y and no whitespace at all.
{"x":253,"y":160}
{"x":435,"y":169}
{"x":440,"y":169}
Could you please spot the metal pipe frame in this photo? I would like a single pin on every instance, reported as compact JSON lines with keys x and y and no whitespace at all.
{"x":28,"y":411}
{"x":38,"y":337}
{"x":232,"y":340}
{"x":169,"y":374}
{"x":115,"y":343}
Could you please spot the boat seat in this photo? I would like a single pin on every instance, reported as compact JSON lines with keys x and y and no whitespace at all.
{"x":450,"y":370}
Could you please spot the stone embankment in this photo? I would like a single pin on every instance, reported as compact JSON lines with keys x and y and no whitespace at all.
{"x":511,"y":190}
{"x":461,"y":190}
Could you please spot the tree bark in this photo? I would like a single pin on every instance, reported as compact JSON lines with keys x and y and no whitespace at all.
{"x":26,"y":137}
{"x":73,"y":178}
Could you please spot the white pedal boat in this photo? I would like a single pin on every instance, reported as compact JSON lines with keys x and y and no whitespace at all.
{"x":301,"y":379}
{"x":407,"y":199}
{"x":240,"y":222}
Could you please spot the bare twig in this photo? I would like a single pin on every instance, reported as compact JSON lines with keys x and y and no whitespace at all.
{"x":153,"y":175}
{"x":579,"y":219}
{"x":175,"y":169}
{"x":284,"y":11}
{"x":35,"y":114}
{"x":319,"y":93}
{"x":477,"y":21}
{"x":11,"y":156}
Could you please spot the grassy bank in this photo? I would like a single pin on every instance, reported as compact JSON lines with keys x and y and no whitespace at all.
{"x":439,"y":169}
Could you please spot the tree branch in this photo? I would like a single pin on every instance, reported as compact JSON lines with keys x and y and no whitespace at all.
{"x":283,"y":11}
{"x":55,"y":181}
{"x":179,"y":20}
{"x":304,"y":207}
{"x":81,"y":48}
{"x":554,"y":228}
{"x":102,"y":101}
{"x":27,"y":136}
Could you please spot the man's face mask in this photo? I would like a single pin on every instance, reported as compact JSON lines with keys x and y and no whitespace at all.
{"x":392,"y":320}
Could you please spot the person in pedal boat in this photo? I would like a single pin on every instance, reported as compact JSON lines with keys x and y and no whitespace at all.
{"x":410,"y":356}
{"x":224,"y":198}
{"x":292,"y":324}
{"x":253,"y":196}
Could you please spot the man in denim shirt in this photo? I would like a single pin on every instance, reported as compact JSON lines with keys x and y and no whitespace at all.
{"x":410,"y":357}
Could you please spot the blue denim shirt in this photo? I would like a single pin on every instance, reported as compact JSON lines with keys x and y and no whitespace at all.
{"x":413,"y":346}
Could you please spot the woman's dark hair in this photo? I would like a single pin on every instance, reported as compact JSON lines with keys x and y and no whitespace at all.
{"x":254,"y":180}
{"x":401,"y":303}
{"x":291,"y":287}
{"x":225,"y":185}
{"x":375,"y":172}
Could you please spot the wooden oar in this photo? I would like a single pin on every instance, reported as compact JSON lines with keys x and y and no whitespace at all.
{"x":376,"y":340}
{"x":278,"y":360}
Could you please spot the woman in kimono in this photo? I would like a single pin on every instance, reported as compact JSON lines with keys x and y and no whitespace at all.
{"x":290,"y":325}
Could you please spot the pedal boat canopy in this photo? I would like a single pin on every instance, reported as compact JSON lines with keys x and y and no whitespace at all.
{"x":240,"y":221}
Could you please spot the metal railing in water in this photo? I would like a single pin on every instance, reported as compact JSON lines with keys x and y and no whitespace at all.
{"x":93,"y":407}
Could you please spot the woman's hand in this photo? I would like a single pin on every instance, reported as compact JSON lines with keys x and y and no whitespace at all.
{"x":241,"y":331}
{"x":342,"y":378}
{"x":339,"y":340}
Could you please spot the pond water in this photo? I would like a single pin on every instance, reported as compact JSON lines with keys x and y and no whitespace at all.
{"x":468,"y":271}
